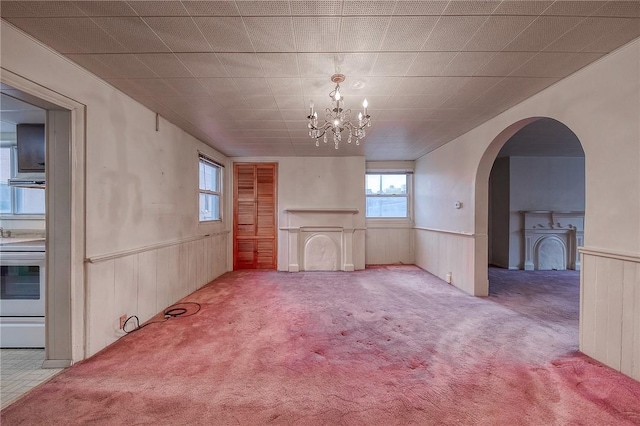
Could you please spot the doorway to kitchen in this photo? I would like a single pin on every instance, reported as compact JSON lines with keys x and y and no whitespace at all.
{"x":62,"y":183}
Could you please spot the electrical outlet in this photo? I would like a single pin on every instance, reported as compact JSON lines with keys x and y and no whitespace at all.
{"x":123,"y":319}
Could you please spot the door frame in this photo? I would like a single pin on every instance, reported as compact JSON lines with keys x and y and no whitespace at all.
{"x":253,"y":160}
{"x":65,"y":224}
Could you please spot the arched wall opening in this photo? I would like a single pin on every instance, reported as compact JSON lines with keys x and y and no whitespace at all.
{"x":481,"y":213}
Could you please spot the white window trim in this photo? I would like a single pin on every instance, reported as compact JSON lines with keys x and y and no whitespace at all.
{"x":392,"y":222}
{"x":219,"y":167}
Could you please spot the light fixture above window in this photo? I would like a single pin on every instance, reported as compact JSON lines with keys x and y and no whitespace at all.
{"x":337,"y":119}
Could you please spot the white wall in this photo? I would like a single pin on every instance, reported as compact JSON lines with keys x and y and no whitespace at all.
{"x":601,"y":105}
{"x":541,"y":183}
{"x":141,"y":189}
{"x":499,"y":230}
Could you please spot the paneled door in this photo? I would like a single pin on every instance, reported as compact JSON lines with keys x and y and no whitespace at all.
{"x":254,"y":215}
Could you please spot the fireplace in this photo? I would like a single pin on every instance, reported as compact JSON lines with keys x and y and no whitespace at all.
{"x":320,"y":239}
{"x":551,"y":239}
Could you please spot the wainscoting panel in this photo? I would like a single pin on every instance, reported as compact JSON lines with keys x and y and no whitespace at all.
{"x":388,"y":246}
{"x":442,"y":253}
{"x":144,"y":282}
{"x":610,"y":309}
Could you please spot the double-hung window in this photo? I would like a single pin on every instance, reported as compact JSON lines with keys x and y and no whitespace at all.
{"x":387,"y":195}
{"x":210,"y":189}
{"x":14,"y":200}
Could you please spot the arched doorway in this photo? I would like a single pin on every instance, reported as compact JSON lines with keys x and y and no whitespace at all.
{"x":482,"y":203}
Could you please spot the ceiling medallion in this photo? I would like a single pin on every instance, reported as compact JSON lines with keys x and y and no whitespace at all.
{"x":337,"y":119}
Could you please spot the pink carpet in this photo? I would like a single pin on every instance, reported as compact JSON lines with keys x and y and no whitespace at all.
{"x":385,"y":346}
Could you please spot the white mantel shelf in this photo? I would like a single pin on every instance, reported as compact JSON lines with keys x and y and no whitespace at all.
{"x":321,"y":210}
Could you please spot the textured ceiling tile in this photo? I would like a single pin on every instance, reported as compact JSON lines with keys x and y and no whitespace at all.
{"x":52,"y":8}
{"x":588,"y":31}
{"x":295,"y":116}
{"x":431,"y":100}
{"x":225,"y":34}
{"x":286,"y":86}
{"x":542,"y":32}
{"x":472,"y":7}
{"x":614,"y":40}
{"x":421,"y":7}
{"x":417,"y":114}
{"x":430,"y":63}
{"x":262,"y":124}
{"x":497,"y":32}
{"x":37,"y":28}
{"x":133,"y":33}
{"x":130,"y":88}
{"x":290,"y":102}
{"x":401,"y":102}
{"x":262,"y":102}
{"x":105,"y":8}
{"x":367,"y":7}
{"x":270,"y":33}
{"x":211,"y":8}
{"x":552,"y":64}
{"x":453,"y":32}
{"x":626,"y":8}
{"x":241,"y":64}
{"x":351,"y":64}
{"x":86,"y":34}
{"x":573,"y":8}
{"x":155,"y":86}
{"x":279,"y":64}
{"x":186,"y":86}
{"x":408,"y":32}
{"x":429,"y":85}
{"x":13,"y":9}
{"x":522,"y":7}
{"x":179,"y":33}
{"x":472,"y":89}
{"x":267,"y":114}
{"x":203,"y":64}
{"x":253,"y":86}
{"x":316,"y":8}
{"x":467,"y":63}
{"x":158,"y":8}
{"x":316,"y":34}
{"x":316,"y":64}
{"x":127,"y":65}
{"x":504,"y":63}
{"x":362,"y":33}
{"x":264,"y":8}
{"x":393,"y":63}
{"x":93,"y":64}
{"x":221,"y":86}
{"x":164,"y":64}
{"x":317,"y":87}
{"x":369,"y":86}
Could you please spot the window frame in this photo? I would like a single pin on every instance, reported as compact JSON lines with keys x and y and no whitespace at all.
{"x":14,"y":191}
{"x":409,"y":196}
{"x":203,"y":159}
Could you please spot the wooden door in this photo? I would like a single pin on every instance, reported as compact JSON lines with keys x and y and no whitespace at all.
{"x":254,"y":216}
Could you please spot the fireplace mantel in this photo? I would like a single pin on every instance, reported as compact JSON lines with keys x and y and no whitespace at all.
{"x":320,"y":238}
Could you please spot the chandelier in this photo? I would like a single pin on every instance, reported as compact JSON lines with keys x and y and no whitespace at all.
{"x":337,"y":119}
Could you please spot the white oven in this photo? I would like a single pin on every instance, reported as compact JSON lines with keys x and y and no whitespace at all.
{"x":22,"y":295}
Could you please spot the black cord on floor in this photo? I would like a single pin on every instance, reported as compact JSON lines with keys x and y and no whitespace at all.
{"x":173,"y":311}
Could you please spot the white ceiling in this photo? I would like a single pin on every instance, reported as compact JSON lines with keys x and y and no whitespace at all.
{"x":239,"y":75}
{"x":14,"y":111}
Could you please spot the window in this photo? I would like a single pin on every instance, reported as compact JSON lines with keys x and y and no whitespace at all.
{"x":387,"y":195}
{"x":209,"y":190}
{"x":17,"y":201}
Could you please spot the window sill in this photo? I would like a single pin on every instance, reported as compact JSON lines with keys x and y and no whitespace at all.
{"x":389,"y":223}
{"x":22,"y":217}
